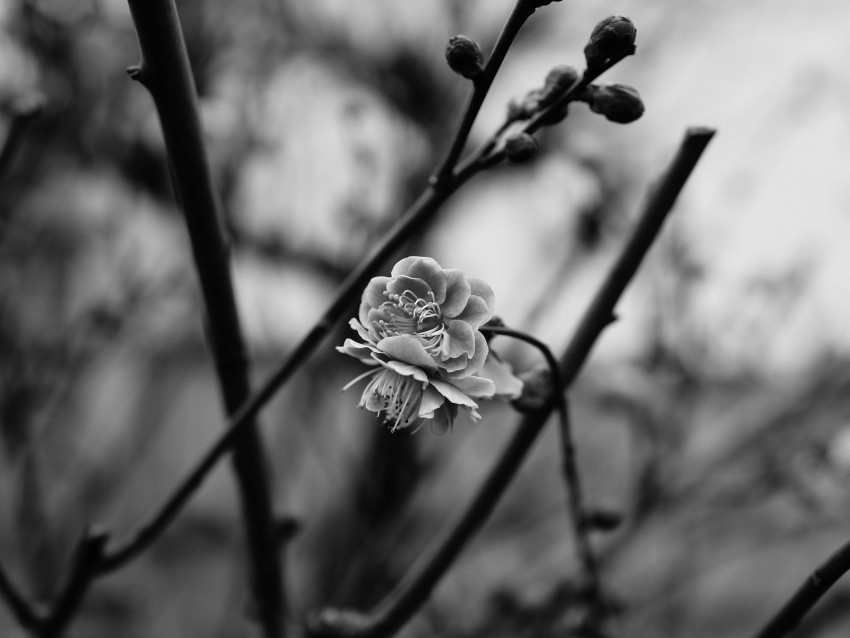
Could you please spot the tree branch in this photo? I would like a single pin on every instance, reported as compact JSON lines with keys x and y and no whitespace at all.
{"x":807,"y":596}
{"x":414,"y":589}
{"x":166,"y":73}
{"x":22,"y":609}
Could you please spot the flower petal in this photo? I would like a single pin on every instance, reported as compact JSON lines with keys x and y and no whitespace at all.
{"x":407,"y":349}
{"x":453,"y":393}
{"x":481,"y":288}
{"x":507,"y":385}
{"x":476,"y":313}
{"x":478,"y":387}
{"x":358,"y":350}
{"x":473,"y":365}
{"x":459,"y":339}
{"x":406,"y":369}
{"x":457,"y":293}
{"x":426,"y":269}
{"x":372,"y":297}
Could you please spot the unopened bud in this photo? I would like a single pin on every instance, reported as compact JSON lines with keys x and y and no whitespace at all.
{"x":611,"y":40}
{"x":464,"y":56}
{"x":520,"y":147}
{"x":619,"y":103}
{"x":543,"y":3}
{"x":558,"y":81}
{"x":536,"y":390}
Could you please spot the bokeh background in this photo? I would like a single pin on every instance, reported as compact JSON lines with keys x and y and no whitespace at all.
{"x":714,"y":414}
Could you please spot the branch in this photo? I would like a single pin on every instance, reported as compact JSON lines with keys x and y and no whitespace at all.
{"x":807,"y":596}
{"x":87,"y":556}
{"x":521,"y":12}
{"x":411,"y":593}
{"x":22,"y":609}
{"x":570,"y":468}
{"x":24,"y":110}
{"x":166,"y":73}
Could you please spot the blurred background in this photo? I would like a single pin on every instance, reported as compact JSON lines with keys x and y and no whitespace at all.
{"x":714,"y":415}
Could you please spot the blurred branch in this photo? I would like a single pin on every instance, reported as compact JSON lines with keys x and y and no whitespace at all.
{"x":412,"y":592}
{"x":23,"y":111}
{"x":807,"y":596}
{"x":166,"y":73}
{"x":20,"y":606}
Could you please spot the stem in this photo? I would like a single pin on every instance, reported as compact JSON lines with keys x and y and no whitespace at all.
{"x":808,"y":594}
{"x":572,"y":478}
{"x":414,"y":589}
{"x":166,"y":73}
{"x":521,"y":12}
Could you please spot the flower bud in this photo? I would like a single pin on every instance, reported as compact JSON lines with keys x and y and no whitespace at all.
{"x":611,"y":40}
{"x":619,"y":103}
{"x":464,"y":56}
{"x":536,"y":390}
{"x":520,"y":147}
{"x":558,"y":81}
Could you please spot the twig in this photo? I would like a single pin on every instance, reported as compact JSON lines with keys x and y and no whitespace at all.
{"x":84,"y":563}
{"x":23,"y":610}
{"x":414,"y":589}
{"x":809,"y":593}
{"x":572,"y":478}
{"x":521,"y":12}
{"x":166,"y":73}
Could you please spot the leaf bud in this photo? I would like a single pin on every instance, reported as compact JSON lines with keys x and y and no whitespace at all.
{"x":619,"y":103}
{"x":611,"y":40}
{"x":520,"y":147}
{"x":465,"y":57}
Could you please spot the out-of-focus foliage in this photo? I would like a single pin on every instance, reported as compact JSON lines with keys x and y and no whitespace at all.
{"x":715,"y":418}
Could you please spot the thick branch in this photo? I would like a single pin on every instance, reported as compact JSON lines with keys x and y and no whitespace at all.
{"x":412,"y":592}
{"x":166,"y":73}
{"x":809,"y":593}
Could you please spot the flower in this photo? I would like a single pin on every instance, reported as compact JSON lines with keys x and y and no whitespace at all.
{"x":419,"y":330}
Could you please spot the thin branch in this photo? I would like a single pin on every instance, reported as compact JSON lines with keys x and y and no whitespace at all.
{"x":24,"y":110}
{"x":22,"y":609}
{"x":166,"y":73}
{"x":807,"y":596}
{"x":87,"y":556}
{"x":521,"y":12}
{"x":414,"y":589}
{"x":572,"y":478}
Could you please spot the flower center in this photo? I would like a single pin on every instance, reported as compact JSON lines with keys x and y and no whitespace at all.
{"x":411,"y":314}
{"x":395,"y":397}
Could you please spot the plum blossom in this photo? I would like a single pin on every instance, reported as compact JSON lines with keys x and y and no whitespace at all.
{"x":420,"y":332}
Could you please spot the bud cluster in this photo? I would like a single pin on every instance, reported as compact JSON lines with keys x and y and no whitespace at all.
{"x":558,"y":82}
